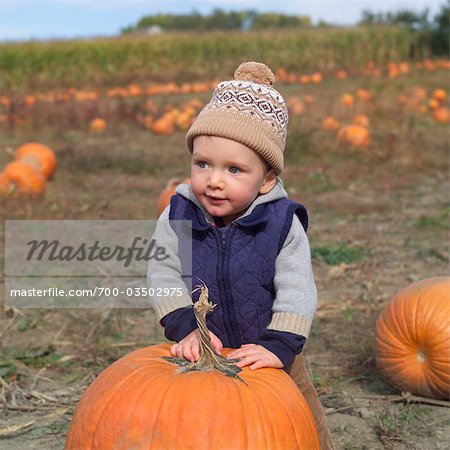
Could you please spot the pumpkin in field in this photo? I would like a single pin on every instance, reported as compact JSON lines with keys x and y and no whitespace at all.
{"x":412,"y":339}
{"x":150,"y":400}
{"x":355,"y":135}
{"x":164,"y":198}
{"x":97,"y":125}
{"x":316,"y":77}
{"x":18,"y":179}
{"x":304,"y":79}
{"x":330,"y":123}
{"x":442,"y":115}
{"x":440,"y":95}
{"x":364,"y":95}
{"x":433,"y":104}
{"x":163,"y":125}
{"x":362,"y":120}
{"x":39,"y":156}
{"x":295,"y":106}
{"x":347,"y":100}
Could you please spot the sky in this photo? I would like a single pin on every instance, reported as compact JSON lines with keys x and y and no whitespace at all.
{"x":52,"y":19}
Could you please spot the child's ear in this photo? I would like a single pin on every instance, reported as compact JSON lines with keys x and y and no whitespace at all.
{"x":269,"y":182}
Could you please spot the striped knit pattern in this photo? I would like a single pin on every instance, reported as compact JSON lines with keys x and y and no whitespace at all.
{"x":292,"y":323}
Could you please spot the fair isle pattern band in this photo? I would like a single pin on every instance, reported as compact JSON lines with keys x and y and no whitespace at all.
{"x":254,"y":100}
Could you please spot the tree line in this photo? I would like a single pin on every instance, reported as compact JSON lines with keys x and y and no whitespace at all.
{"x":433,"y":31}
{"x":219,"y":20}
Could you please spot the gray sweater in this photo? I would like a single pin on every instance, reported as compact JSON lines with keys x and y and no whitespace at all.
{"x":296,"y":296}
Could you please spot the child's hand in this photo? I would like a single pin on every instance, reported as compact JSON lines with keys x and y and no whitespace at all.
{"x":256,"y":355}
{"x":189,"y":346}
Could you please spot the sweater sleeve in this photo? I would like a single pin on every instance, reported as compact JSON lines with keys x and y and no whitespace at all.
{"x":174,"y":311}
{"x":296,"y":297}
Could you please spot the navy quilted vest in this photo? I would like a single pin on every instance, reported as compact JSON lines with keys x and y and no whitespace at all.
{"x":237,"y":263}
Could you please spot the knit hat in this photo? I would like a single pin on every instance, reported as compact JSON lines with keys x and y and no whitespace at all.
{"x":247,"y":110}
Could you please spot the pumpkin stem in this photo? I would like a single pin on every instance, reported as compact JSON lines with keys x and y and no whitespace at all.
{"x":209,"y":359}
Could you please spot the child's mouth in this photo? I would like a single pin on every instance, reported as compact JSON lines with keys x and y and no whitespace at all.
{"x":215,"y":200}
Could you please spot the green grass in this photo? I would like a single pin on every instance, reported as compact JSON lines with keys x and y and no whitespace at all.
{"x":429,"y":222}
{"x":334,"y":253}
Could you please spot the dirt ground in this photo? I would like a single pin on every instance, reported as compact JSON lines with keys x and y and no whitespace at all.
{"x":378,"y":221}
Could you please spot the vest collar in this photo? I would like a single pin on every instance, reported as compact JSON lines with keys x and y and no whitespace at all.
{"x":259,"y":215}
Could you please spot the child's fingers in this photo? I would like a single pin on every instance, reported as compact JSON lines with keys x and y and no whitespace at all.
{"x":242,"y":352}
{"x":187,"y":352}
{"x":243,"y":349}
{"x":249,"y":359}
{"x":177,"y":350}
{"x":216,"y":342}
{"x":195,"y":351}
{"x":259,"y":364}
{"x":173,"y":349}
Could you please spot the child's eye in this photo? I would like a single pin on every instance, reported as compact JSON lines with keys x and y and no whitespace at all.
{"x":202,"y":164}
{"x":234,"y":169}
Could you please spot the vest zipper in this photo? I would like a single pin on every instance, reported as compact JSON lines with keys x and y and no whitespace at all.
{"x":233,"y":330}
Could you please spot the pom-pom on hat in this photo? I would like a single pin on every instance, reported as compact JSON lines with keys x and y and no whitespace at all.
{"x":247,"y":110}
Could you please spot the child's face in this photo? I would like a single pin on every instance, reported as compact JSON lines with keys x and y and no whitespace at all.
{"x":226,"y":176}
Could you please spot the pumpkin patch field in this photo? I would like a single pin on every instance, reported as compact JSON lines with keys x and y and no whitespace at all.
{"x":367,"y":154}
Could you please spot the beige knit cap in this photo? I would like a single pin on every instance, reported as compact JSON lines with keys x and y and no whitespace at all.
{"x":247,"y":110}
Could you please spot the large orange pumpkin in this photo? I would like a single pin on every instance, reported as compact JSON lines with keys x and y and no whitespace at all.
{"x":164,"y":198}
{"x":150,"y":400}
{"x":413,"y":339}
{"x":143,"y":402}
{"x":44,"y":156}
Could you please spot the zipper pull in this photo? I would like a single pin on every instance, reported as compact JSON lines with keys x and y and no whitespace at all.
{"x":223,"y":236}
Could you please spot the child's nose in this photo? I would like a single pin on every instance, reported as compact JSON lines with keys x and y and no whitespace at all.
{"x":216,"y":179}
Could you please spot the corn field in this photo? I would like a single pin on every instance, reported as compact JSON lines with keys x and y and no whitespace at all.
{"x":182,"y":57}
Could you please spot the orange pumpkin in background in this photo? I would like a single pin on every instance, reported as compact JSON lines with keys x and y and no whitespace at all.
{"x":97,"y":125}
{"x":362,"y":120}
{"x":330,"y":123}
{"x":347,"y":99}
{"x":39,"y":156}
{"x":18,"y":178}
{"x":442,"y":115}
{"x":440,"y":95}
{"x":433,"y":104}
{"x":412,"y":339}
{"x":355,"y":135}
{"x":163,"y":125}
{"x":164,"y":198}
{"x":316,"y":77}
{"x":304,"y":79}
{"x":364,"y":95}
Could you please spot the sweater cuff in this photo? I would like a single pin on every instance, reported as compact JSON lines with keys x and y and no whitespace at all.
{"x":179,"y":323}
{"x":165,"y":305}
{"x":289,"y":322}
{"x":283,"y":344}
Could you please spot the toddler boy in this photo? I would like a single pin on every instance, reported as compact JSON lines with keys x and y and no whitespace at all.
{"x":248,"y":242}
